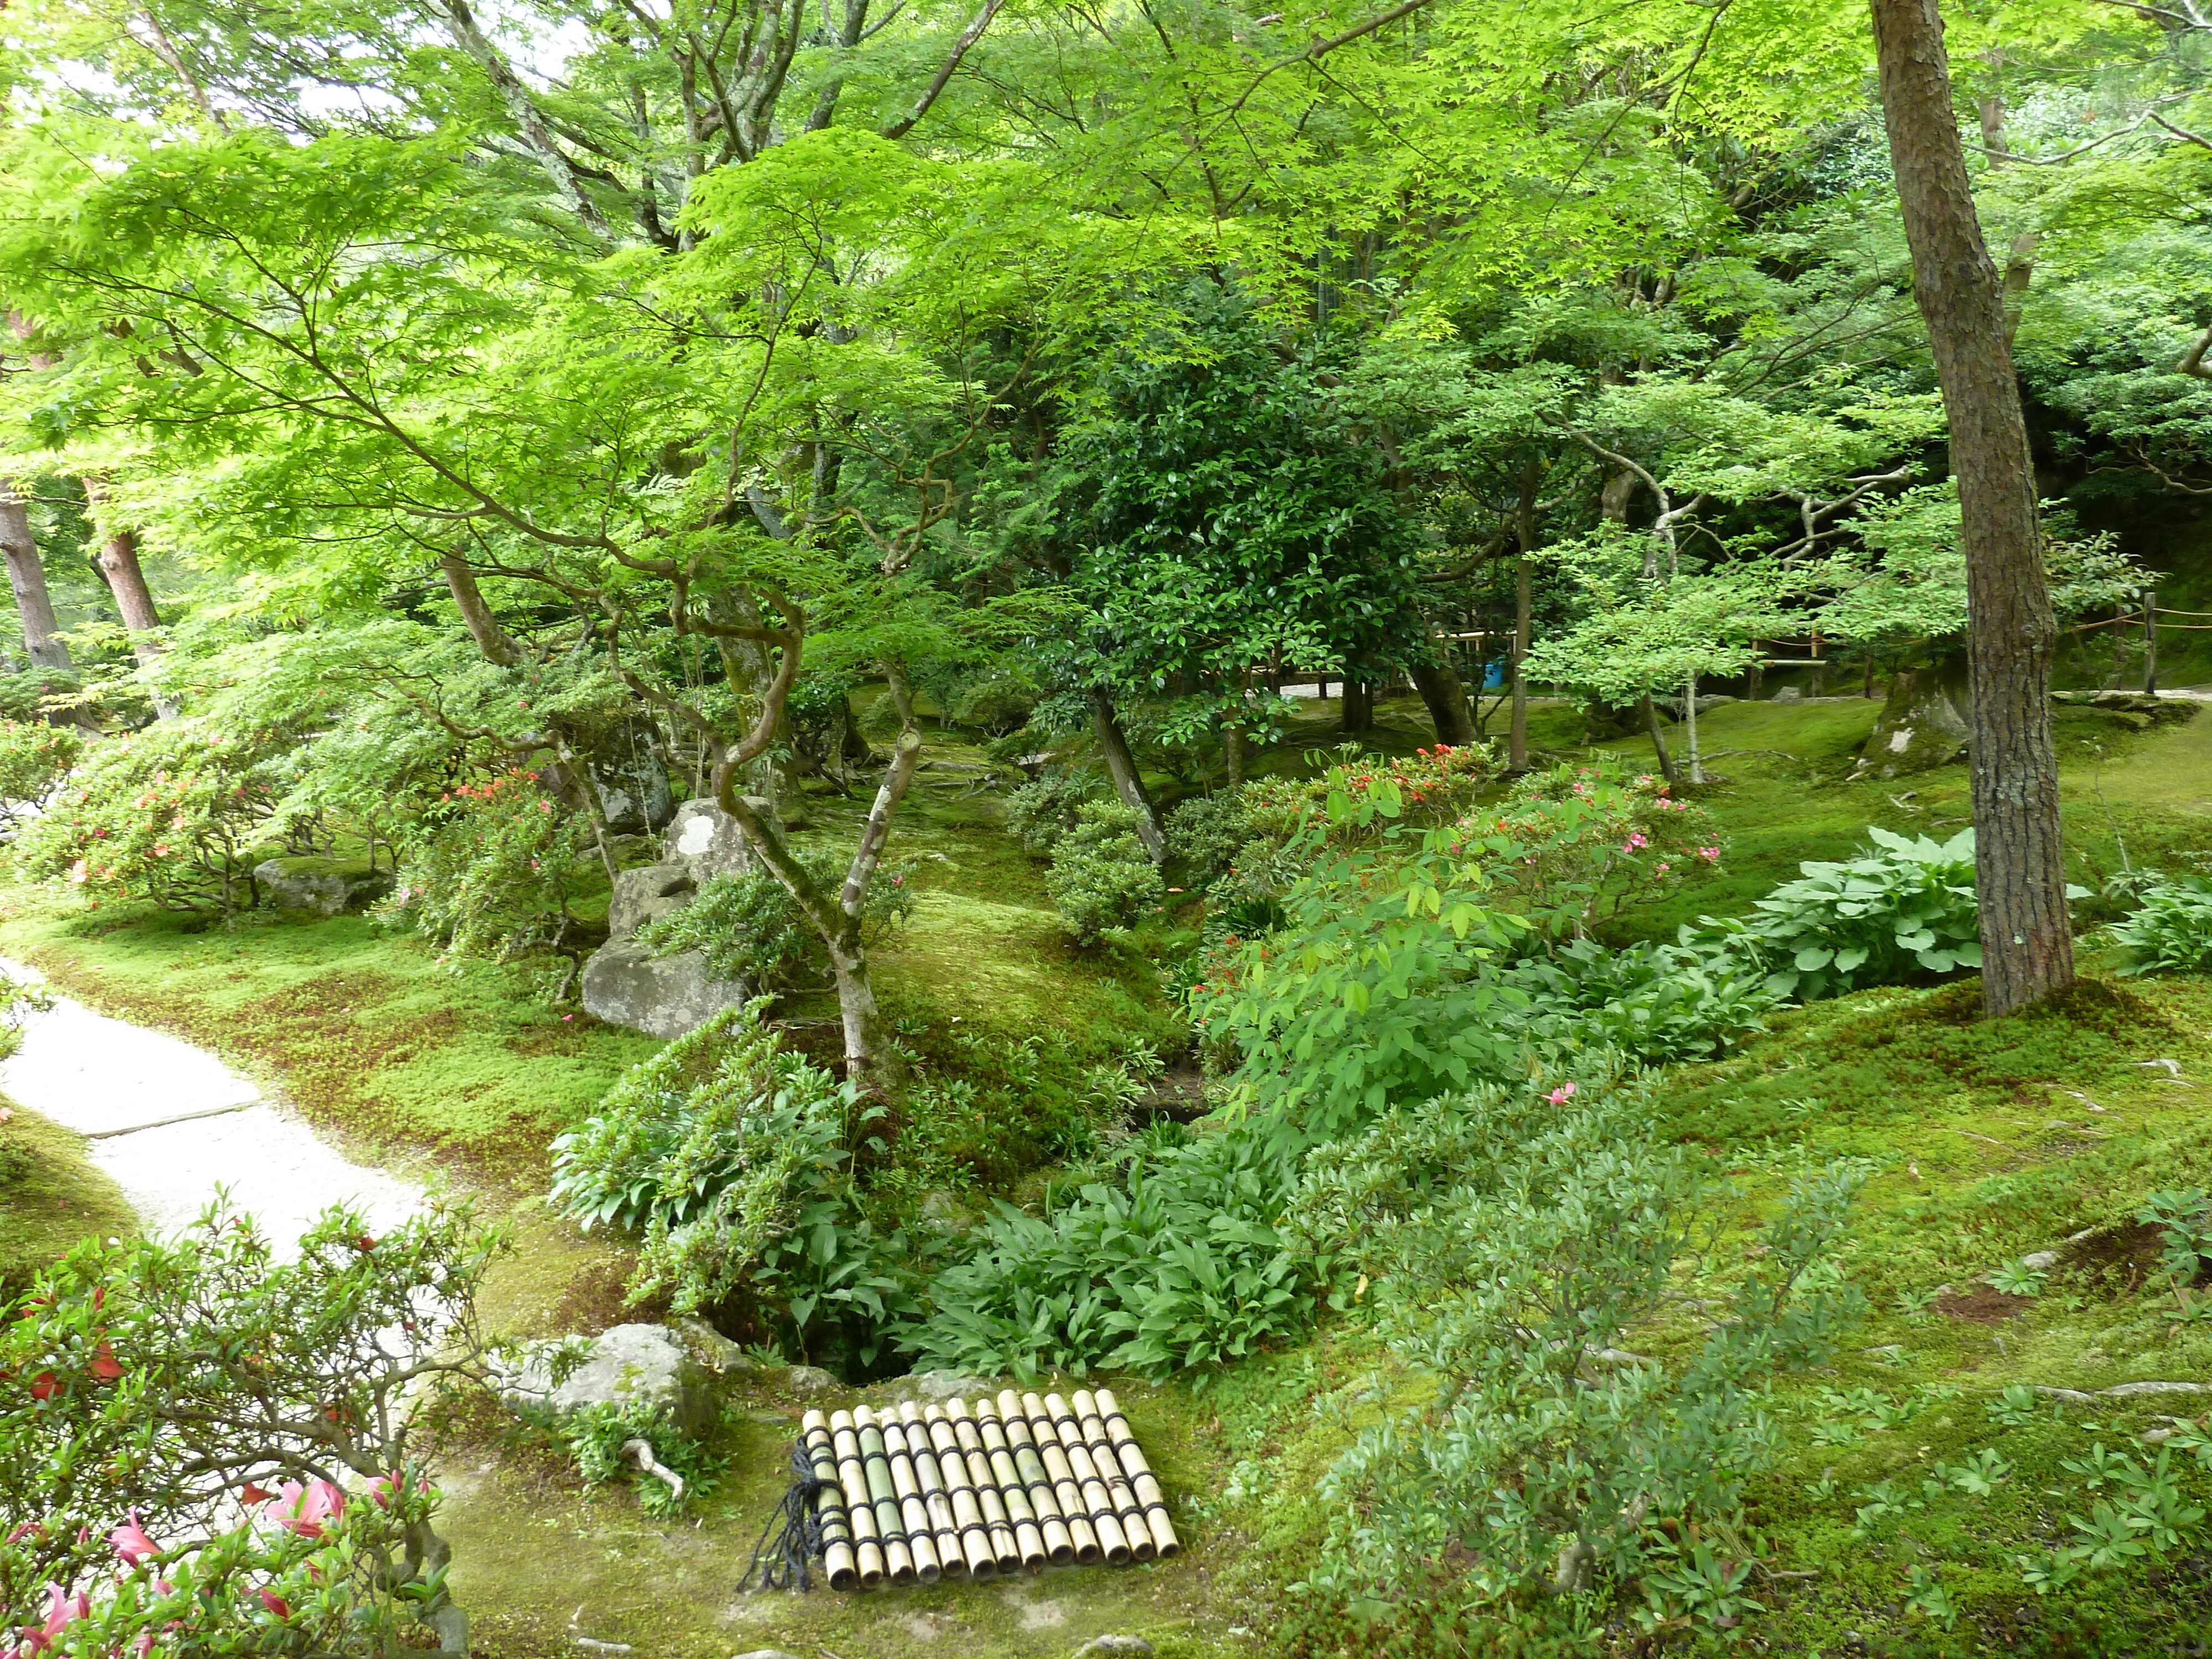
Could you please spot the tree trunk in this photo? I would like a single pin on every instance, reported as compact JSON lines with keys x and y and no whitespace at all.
{"x":118,"y":560}
{"x":2028,"y":945}
{"x":41,"y":633}
{"x":497,"y":645}
{"x":1754,"y":679}
{"x":1650,"y":711}
{"x":1924,"y":722}
{"x":1690,"y":729}
{"x":1359,"y":711}
{"x":1517,"y":741}
{"x":1232,"y":754}
{"x":1128,"y":781}
{"x":1439,"y":682}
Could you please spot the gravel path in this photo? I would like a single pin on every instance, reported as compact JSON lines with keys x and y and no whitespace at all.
{"x":170,"y":1123}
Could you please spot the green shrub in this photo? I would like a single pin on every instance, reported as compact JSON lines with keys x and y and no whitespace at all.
{"x":1040,"y":812}
{"x":1650,"y":1002}
{"x":1514,"y":1240}
{"x":2172,"y":932}
{"x":1101,"y":878}
{"x":998,"y":703}
{"x":1180,"y":1265}
{"x":34,"y":759}
{"x":1207,"y":833}
{"x":751,"y":929}
{"x":731,"y":1154}
{"x":1902,"y":910}
{"x":488,"y":873}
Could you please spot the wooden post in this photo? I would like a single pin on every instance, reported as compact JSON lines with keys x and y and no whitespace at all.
{"x":2150,"y":641}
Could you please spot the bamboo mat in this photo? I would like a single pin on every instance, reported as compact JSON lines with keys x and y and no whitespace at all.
{"x":917,"y":1493}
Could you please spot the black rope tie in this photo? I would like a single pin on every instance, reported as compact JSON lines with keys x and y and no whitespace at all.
{"x":782,"y":1562}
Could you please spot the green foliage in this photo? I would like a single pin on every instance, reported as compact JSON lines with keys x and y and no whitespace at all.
{"x":1042,"y":810}
{"x":34,"y":758}
{"x":1514,"y":1245}
{"x":2171,"y":932}
{"x":490,"y":872}
{"x":155,"y":1381}
{"x":753,"y":931}
{"x":1206,"y":832}
{"x":1904,"y":910}
{"x":732,"y":1156}
{"x":174,"y":814}
{"x":596,"y":1434}
{"x":1101,"y":877}
{"x":1652,"y":1002}
{"x":1180,"y":1265}
{"x":1580,"y":846}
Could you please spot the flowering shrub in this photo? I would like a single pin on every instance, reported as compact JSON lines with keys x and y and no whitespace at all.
{"x":173,"y":814}
{"x":151,"y":1392}
{"x":1580,"y":844}
{"x":490,"y":870}
{"x":34,"y":758}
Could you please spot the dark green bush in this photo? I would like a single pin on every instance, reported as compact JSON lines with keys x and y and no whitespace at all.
{"x":752,"y":929}
{"x":1101,"y":876}
{"x":1039,"y":813}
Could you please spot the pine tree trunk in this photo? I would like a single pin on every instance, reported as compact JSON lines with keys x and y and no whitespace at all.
{"x":2028,"y":945}
{"x":1128,"y":781}
{"x":1439,"y":685}
{"x":41,"y":633}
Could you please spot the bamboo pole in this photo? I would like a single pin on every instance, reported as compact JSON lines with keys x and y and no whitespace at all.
{"x":1021,"y":1424}
{"x":1023,"y":1479}
{"x":1142,"y":1482}
{"x":859,"y":1507}
{"x":883,"y":1492}
{"x":1059,"y":1423}
{"x":974,"y":1538}
{"x":914,"y":1513}
{"x":936,"y":1497}
{"x":1092,"y":1424}
{"x":837,"y":1558}
{"x":999,"y":1516}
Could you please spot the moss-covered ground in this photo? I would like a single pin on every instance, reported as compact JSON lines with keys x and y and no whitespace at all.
{"x":52,"y":1197}
{"x":1986,"y":1142}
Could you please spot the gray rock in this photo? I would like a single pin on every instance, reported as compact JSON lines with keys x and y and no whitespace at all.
{"x":625,"y":984}
{"x":641,"y":1365}
{"x":648,"y":895}
{"x":768,"y":1653}
{"x":1127,"y":1647}
{"x":2042,"y":1261}
{"x":810,"y":1379}
{"x":318,"y":892}
{"x":712,"y":1349}
{"x":707,"y":838}
{"x":1788,"y":694}
{"x":1887,"y":1351}
{"x":631,"y":783}
{"x":944,"y":1385}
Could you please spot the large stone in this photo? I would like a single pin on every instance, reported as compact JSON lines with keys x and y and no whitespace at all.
{"x":707,"y":838}
{"x":318,"y":892}
{"x":644,"y":1367}
{"x":646,"y":895}
{"x":625,"y":984}
{"x":630,"y":782}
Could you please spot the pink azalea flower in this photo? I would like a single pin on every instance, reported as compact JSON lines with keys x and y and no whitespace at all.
{"x":1709,"y":853}
{"x":1637,"y":839}
{"x":1562,"y":1094}
{"x":60,"y":1610}
{"x":304,"y":1510}
{"x":131,"y":1543}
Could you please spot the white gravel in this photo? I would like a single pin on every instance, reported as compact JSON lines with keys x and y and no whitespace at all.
{"x":126,"y":1087}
